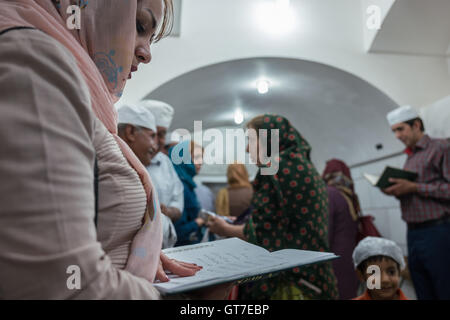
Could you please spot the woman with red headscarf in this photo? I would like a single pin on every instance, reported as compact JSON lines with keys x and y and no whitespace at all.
{"x":342,"y":224}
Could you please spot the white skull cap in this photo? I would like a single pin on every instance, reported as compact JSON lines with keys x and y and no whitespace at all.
{"x":162,"y":111}
{"x":136,"y":115}
{"x":401,"y":114}
{"x":374,"y":246}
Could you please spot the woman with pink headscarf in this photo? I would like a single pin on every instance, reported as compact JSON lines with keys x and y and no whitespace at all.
{"x":63,"y":66}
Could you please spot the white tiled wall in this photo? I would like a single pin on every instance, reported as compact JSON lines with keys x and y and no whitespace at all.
{"x":385,"y":209}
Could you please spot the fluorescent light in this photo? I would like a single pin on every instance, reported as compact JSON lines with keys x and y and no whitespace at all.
{"x":238,"y":116}
{"x":262,"y":86}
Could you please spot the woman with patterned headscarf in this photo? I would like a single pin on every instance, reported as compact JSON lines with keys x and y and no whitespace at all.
{"x":290,"y":211}
{"x":342,"y":224}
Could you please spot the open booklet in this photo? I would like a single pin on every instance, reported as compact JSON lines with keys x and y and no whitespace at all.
{"x":231,"y":260}
{"x":382,"y":181}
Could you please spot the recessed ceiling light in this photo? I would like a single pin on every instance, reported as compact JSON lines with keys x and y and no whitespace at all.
{"x":279,"y":12}
{"x":262,"y":86}
{"x":283,"y":4}
{"x":238,"y":116}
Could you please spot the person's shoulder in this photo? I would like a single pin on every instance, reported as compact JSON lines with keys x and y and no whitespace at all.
{"x":364,"y":296}
{"x":224,"y":189}
{"x":401,"y":295}
{"x":41,"y":62}
{"x":440,"y":144}
{"x":27,"y":49}
{"x":222,"y":192}
{"x":163,"y":158}
{"x":25,"y":34}
{"x":38,"y":43}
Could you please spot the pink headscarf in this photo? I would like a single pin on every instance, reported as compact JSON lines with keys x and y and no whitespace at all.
{"x":104,"y":50}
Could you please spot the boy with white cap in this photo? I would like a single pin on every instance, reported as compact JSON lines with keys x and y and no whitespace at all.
{"x":378,"y":263}
{"x":425,"y":204}
{"x":168,"y":185}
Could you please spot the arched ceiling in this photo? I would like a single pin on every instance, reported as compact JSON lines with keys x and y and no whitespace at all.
{"x":340,"y":114}
{"x":331,"y":32}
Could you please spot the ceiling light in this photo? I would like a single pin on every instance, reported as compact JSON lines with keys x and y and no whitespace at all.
{"x":280,"y":15}
{"x":262,"y":86}
{"x":238,"y":116}
{"x":283,"y":4}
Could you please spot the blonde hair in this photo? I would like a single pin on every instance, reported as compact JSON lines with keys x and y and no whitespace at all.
{"x":237,"y":176}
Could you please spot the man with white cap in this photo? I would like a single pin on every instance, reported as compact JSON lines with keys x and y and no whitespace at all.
{"x":169,"y":187}
{"x":425,"y":204}
{"x":137,"y":127}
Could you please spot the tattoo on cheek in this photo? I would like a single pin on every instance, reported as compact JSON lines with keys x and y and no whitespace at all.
{"x":107,"y":66}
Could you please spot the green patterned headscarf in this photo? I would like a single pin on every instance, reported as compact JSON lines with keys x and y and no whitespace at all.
{"x":291,"y":211}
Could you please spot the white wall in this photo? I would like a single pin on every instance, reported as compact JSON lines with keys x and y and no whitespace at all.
{"x":385,"y":6}
{"x":448,"y":64}
{"x":328,"y":31}
{"x":386,"y":210}
{"x":436,"y":118}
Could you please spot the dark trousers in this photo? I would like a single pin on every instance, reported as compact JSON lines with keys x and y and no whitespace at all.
{"x":429,"y":261}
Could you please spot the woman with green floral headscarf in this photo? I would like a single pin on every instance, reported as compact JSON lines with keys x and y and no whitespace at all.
{"x":290,"y":211}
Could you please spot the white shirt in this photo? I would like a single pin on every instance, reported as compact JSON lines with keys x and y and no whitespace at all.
{"x":168,"y":185}
{"x":170,"y":193}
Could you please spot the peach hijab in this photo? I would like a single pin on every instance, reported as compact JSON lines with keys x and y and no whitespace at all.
{"x":237,"y":176}
{"x":104,"y":49}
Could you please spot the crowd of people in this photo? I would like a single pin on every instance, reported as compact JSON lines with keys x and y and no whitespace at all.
{"x":85,"y":184}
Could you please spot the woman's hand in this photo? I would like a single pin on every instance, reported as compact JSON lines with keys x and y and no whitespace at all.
{"x":173,"y":213}
{"x":179,"y":268}
{"x":200,"y":222}
{"x":218,"y":226}
{"x":222,"y":228}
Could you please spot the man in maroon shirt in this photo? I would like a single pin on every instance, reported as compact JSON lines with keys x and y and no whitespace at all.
{"x":425,"y":204}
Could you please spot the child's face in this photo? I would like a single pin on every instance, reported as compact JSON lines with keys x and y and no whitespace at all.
{"x":390,"y":278}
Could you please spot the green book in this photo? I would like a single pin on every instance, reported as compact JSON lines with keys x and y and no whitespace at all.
{"x":234,"y":260}
{"x":382,"y":181}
